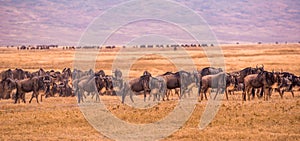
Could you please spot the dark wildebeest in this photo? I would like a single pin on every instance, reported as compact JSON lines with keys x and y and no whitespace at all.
{"x":66,"y":73}
{"x":288,"y":82}
{"x":206,"y":71}
{"x":40,"y":72}
{"x":210,"y":71}
{"x":247,"y":71}
{"x":109,"y":88}
{"x":187,"y":80}
{"x":29,"y":85}
{"x":140,"y":84}
{"x":19,"y":74}
{"x":264,"y":80}
{"x":172,"y":81}
{"x":212,"y":81}
{"x":158,"y":87}
{"x":90,"y":83}
{"x":6,"y":86}
{"x":231,"y":84}
{"x":65,"y":89}
{"x":180,"y":79}
{"x":7,"y":74}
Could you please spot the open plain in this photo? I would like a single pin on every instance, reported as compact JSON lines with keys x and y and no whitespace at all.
{"x":60,"y":117}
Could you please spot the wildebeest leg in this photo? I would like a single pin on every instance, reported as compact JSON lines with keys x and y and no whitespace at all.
{"x":248,"y":93}
{"x":292,"y":93}
{"x":204,"y":93}
{"x":253,"y":93}
{"x":281,"y":93}
{"x":97,"y":97}
{"x":23,"y":97}
{"x":199,"y":90}
{"x":79,"y":96}
{"x":145,"y":95}
{"x":261,"y":92}
{"x":150,"y":95}
{"x":17,"y":96}
{"x":266,"y":94}
{"x":131,"y":98}
{"x":244,"y":96}
{"x":123,"y":97}
{"x":82,"y":95}
{"x":41,"y":97}
{"x":168,"y":93}
{"x":226,"y":93}
{"x":32,"y":96}
{"x":158,"y":96}
{"x":216,"y":93}
{"x":37,"y":97}
{"x":179,"y":94}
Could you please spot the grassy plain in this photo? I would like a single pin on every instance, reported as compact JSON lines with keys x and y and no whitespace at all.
{"x":60,"y":118}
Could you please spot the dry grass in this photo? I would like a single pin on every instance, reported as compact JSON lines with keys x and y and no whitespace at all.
{"x":60,"y":118}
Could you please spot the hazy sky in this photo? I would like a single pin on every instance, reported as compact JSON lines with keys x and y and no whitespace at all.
{"x":63,"y":22}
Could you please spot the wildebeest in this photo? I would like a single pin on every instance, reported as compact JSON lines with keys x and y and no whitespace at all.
{"x":247,"y":71}
{"x":231,"y":84}
{"x":109,"y":88}
{"x":288,"y":82}
{"x":172,"y":81}
{"x":19,"y":74}
{"x":158,"y":87}
{"x":264,"y":80}
{"x":29,"y":85}
{"x":212,"y":81}
{"x":180,"y":79}
{"x":90,"y":83}
{"x":40,"y":72}
{"x":65,"y":89}
{"x":210,"y":71}
{"x":6,"y":87}
{"x":7,"y":74}
{"x":140,"y":84}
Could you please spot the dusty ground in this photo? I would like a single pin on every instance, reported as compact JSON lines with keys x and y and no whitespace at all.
{"x":60,"y":118}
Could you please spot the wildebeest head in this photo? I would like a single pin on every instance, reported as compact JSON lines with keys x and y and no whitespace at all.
{"x":43,"y":82}
{"x":18,"y":74}
{"x":259,"y":68}
{"x":7,"y":74}
{"x":117,"y":74}
{"x":41,"y":72}
{"x":11,"y":84}
{"x":100,"y":73}
{"x":66,"y":73}
{"x":147,"y":73}
{"x":231,"y":80}
{"x":108,"y":83}
{"x":144,"y":79}
{"x":269,"y":77}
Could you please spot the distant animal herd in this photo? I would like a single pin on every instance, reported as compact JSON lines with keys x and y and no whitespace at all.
{"x":46,"y":47}
{"x":252,"y":81}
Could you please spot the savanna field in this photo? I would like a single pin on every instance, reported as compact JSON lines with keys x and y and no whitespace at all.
{"x":59,"y":118}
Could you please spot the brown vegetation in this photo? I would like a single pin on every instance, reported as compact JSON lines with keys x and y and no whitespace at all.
{"x":60,"y":118}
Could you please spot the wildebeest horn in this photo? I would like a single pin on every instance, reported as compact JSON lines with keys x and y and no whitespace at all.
{"x":256,"y":65}
{"x":281,"y":70}
{"x":262,"y":65}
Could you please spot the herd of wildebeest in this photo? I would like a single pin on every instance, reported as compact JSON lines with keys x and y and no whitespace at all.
{"x":252,"y":81}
